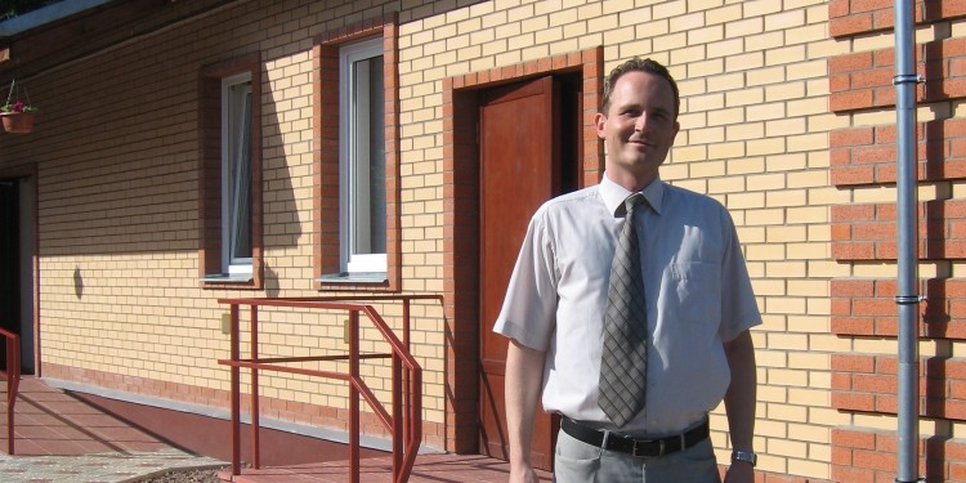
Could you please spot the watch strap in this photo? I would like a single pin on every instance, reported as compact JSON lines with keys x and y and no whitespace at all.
{"x":745,"y":457}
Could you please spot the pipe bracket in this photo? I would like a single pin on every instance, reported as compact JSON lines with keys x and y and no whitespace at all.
{"x":908,"y":79}
{"x":909,"y":299}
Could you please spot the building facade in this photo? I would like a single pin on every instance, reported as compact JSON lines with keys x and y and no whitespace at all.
{"x":257,"y":148}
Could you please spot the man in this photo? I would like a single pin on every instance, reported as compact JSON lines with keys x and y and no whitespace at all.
{"x":697,"y":306}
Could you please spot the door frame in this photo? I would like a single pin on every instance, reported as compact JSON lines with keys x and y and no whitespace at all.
{"x":461,"y":216}
{"x":17,"y":174}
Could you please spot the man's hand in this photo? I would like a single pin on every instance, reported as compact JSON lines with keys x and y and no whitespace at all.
{"x":740,"y":472}
{"x":523,"y":474}
{"x":524,"y":374}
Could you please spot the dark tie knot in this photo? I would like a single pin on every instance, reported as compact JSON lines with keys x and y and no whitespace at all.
{"x":630,"y":203}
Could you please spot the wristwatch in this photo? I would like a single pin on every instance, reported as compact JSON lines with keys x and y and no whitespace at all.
{"x":745,"y":457}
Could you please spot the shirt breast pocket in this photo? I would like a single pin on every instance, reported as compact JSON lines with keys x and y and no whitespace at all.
{"x":694,"y":292}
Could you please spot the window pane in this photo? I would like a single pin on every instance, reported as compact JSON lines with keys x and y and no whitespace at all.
{"x":362,"y":157}
{"x":369,"y":183}
{"x":237,"y":172}
{"x":241,"y":207}
{"x":368,"y":177}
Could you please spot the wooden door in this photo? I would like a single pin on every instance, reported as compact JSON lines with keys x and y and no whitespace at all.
{"x":519,"y":169}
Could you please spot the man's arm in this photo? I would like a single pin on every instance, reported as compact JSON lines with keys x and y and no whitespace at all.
{"x":524,"y":379}
{"x":740,"y":401}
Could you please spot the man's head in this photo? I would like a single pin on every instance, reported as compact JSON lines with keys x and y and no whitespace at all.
{"x":640,"y":65}
{"x":638,"y":121}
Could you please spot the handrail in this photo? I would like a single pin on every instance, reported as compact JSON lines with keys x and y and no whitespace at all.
{"x":12,"y":376}
{"x":405,"y":422}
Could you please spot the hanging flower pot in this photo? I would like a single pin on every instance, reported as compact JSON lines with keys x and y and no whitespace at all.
{"x":18,"y":122}
{"x":17,"y":116}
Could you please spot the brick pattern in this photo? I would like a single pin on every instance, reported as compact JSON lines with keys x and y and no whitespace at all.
{"x":863,"y":237}
{"x":865,"y":308}
{"x":867,"y":155}
{"x":868,"y":455}
{"x":863,"y":80}
{"x":851,"y":17}
{"x":118,"y":201}
{"x":868,"y":231}
{"x":867,"y":383}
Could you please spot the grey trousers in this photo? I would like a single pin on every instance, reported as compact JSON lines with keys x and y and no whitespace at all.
{"x":579,"y":462}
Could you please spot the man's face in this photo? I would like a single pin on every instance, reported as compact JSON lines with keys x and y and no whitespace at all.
{"x":639,"y":126}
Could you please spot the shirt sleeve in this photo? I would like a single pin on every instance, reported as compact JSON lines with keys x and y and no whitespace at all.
{"x":529,"y":309}
{"x":739,"y":309}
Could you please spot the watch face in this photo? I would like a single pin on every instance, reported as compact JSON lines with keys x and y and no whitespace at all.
{"x":745,"y":456}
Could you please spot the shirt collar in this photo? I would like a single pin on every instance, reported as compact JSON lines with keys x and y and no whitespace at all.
{"x":614,"y":194}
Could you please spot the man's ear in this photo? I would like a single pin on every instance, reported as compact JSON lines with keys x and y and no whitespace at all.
{"x":599,"y":120}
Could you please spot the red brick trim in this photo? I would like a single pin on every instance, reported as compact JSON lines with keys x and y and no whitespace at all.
{"x":865,"y":308}
{"x":326,"y":243}
{"x":273,"y":408}
{"x":868,"y":383}
{"x":854,"y":17}
{"x":209,"y":135}
{"x":461,"y":220}
{"x":868,"y":231}
{"x":867,"y":155}
{"x":867,"y":455}
{"x":863,"y":80}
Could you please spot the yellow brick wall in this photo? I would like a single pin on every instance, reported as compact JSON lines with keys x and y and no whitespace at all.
{"x":118,"y":200}
{"x":754,"y":135}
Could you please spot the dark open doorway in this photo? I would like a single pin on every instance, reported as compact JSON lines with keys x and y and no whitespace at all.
{"x":16,"y":267}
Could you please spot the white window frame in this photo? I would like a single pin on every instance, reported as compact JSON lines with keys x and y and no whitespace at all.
{"x":351,"y":135}
{"x":234,"y":140}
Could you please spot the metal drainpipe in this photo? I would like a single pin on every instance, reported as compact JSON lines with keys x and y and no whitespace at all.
{"x":907,"y":297}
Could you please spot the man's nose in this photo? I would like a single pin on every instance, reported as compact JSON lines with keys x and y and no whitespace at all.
{"x":640,"y":123}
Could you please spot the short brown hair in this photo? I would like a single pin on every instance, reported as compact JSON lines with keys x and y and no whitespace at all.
{"x":640,"y":65}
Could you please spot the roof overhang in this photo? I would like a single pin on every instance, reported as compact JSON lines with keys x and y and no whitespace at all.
{"x":71,"y":29}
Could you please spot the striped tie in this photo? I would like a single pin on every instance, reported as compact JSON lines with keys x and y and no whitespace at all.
{"x":623,"y":365}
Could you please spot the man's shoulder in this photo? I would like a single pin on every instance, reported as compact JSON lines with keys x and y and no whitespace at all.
{"x":570,"y":201}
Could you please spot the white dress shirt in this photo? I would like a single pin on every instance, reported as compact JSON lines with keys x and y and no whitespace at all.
{"x":696,"y":287}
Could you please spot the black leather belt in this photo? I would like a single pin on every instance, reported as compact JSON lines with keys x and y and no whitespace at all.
{"x":636,"y":447}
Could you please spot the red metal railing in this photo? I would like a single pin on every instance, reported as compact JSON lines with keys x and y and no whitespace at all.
{"x":12,"y":376}
{"x":405,"y":422}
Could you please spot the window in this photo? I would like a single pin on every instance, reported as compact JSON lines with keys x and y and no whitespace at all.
{"x":356,"y":174}
{"x":236,"y":175}
{"x":362,"y":158}
{"x":230,"y":174}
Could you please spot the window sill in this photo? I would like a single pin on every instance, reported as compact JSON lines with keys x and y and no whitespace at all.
{"x":355,"y":278}
{"x":241,"y":279}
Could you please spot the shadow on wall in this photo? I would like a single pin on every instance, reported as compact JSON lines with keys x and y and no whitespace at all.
{"x":270,"y":281}
{"x":148,"y":201}
{"x":78,"y":283}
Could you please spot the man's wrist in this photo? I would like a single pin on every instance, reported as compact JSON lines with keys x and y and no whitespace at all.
{"x":748,"y":457}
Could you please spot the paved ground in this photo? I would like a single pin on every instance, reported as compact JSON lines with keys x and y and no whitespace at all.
{"x":107,"y":467}
{"x":60,"y":437}
{"x":65,"y":433}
